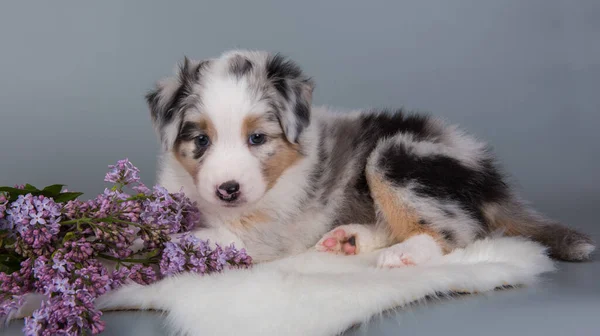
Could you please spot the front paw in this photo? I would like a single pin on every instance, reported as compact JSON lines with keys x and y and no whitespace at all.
{"x":338,"y":241}
{"x":349,"y":239}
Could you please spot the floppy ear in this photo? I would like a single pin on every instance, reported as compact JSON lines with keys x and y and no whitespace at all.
{"x":167,"y":102}
{"x":294,"y":91}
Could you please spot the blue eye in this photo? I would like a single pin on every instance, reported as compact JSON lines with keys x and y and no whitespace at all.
{"x":257,"y":139}
{"x":202,"y":141}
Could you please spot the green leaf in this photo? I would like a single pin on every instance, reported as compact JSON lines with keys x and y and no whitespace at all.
{"x":52,"y":190}
{"x":30,"y":187}
{"x":9,"y":263}
{"x":5,"y":239}
{"x":69,"y":236}
{"x":13,"y":190}
{"x":67,"y":196}
{"x":153,"y":253}
{"x":13,"y":193}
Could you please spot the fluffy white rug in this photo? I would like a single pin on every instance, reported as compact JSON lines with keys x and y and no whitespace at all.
{"x":323,"y":294}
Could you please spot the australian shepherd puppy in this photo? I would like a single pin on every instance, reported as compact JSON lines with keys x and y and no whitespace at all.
{"x":278,"y":176}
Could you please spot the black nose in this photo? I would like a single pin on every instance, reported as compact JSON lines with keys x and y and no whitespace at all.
{"x":229,"y":187}
{"x":228,"y":191}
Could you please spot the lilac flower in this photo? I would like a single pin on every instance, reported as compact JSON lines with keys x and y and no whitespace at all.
{"x":37,"y":218}
{"x":173,"y":259}
{"x":237,"y":257}
{"x":43,"y":204}
{"x":59,"y":264}
{"x":195,"y":255}
{"x":144,"y":275}
{"x":9,"y":305}
{"x":4,"y":223}
{"x":36,"y":228}
{"x":3,"y":203}
{"x":19,"y":282}
{"x":123,"y":172}
{"x":61,"y":285}
{"x":78,"y":250}
{"x":170,"y":212}
{"x":94,"y":278}
{"x":60,"y":246}
{"x":119,"y":277}
{"x":65,"y":315}
{"x":35,"y":324}
{"x":142,"y":189}
{"x":217,"y":260}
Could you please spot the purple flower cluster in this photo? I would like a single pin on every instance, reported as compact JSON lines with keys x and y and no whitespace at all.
{"x":195,"y":255}
{"x":4,"y":224}
{"x":67,"y":314}
{"x":167,"y":213}
{"x":124,"y":172}
{"x":36,"y":219}
{"x":55,"y":248}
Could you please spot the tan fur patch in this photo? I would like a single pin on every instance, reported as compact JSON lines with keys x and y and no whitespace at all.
{"x":282,"y":154}
{"x":250,"y":220}
{"x":498,"y":220}
{"x":251,"y":124}
{"x":184,"y":151}
{"x":285,"y":156}
{"x":184,"y":154}
{"x":402,"y":220}
{"x":207,"y":126}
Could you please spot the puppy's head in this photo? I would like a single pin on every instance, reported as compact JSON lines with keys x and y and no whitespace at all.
{"x":234,"y":123}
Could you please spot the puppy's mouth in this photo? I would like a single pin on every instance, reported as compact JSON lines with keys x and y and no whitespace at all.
{"x":230,"y":200}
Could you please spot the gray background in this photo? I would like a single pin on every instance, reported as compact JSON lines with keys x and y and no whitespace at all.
{"x":522,"y":74}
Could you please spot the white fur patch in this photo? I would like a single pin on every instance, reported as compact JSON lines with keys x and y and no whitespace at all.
{"x":416,"y":250}
{"x":323,"y":294}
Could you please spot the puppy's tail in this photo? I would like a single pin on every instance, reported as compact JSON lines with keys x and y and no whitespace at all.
{"x":515,"y":218}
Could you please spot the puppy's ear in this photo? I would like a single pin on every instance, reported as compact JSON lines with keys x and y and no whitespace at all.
{"x":294,"y":92}
{"x":169,"y":99}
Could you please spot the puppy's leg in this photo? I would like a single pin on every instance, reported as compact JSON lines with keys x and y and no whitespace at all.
{"x":424,"y":223}
{"x":417,"y":242}
{"x":352,"y":239}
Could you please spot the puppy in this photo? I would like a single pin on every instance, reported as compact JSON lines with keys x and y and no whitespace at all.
{"x":278,"y":176}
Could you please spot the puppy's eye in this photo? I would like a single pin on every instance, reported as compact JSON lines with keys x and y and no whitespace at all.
{"x":202,"y":141}
{"x":257,"y":139}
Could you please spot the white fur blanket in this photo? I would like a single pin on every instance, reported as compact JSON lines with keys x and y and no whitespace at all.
{"x":322,"y":294}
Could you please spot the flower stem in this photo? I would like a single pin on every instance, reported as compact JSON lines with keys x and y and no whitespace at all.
{"x":125,"y":222}
{"x":76,"y":221}
{"x":139,"y":261}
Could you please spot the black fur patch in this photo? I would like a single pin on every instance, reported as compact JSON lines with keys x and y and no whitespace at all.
{"x":188,"y":131}
{"x":380,"y":124}
{"x":448,"y":236}
{"x":188,"y":75}
{"x":302,"y":111}
{"x":445,"y":178}
{"x":290,"y":83}
{"x":280,"y":69}
{"x":240,"y":66}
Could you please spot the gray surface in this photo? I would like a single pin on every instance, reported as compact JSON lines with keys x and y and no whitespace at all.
{"x":523,"y":75}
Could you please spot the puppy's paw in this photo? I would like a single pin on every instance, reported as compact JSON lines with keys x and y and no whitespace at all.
{"x":415,"y":250}
{"x":349,"y":239}
{"x":338,"y":241}
{"x":390,"y":258}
